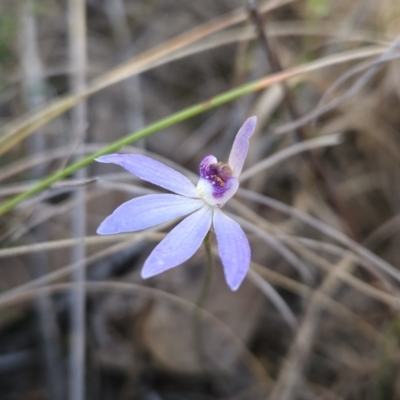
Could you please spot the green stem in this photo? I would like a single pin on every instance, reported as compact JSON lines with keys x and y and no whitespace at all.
{"x":173,"y":119}
{"x":207,"y":281}
{"x":163,"y":123}
{"x":198,"y":326}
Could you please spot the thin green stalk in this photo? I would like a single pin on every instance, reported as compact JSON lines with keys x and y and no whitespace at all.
{"x":132,"y":138}
{"x":175,"y":118}
{"x":207,"y":281}
{"x":198,"y":326}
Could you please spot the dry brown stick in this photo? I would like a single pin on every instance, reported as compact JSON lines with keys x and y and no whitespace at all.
{"x":33,"y":83}
{"x":316,"y":166}
{"x":78,"y":59}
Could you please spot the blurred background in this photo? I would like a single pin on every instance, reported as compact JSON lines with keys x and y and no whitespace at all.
{"x":317,"y":316}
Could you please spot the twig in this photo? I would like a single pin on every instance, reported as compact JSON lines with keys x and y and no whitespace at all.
{"x":306,"y":292}
{"x":302,"y":268}
{"x":77,"y":47}
{"x":290,"y":151}
{"x":33,"y":88}
{"x":274,"y":297}
{"x":67,"y":184}
{"x":65,"y":271}
{"x":316,"y":166}
{"x":133,"y":97}
{"x":371,"y":258}
{"x":352,"y":91}
{"x":63,"y":243}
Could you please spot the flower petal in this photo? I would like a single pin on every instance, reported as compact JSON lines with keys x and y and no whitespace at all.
{"x":233,"y":248}
{"x":146,"y":211}
{"x":241,"y":146}
{"x":180,"y":244}
{"x":205,"y":164}
{"x":152,"y":171}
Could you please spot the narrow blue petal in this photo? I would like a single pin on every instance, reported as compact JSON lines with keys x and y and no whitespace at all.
{"x":152,"y":171}
{"x":146,"y":211}
{"x":233,"y":248}
{"x":180,"y":244}
{"x":240,"y":146}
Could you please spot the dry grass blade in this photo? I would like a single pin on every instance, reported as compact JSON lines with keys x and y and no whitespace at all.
{"x":65,"y":271}
{"x":333,"y":306}
{"x":352,"y":72}
{"x":65,"y":243}
{"x":78,"y":56}
{"x":18,"y":130}
{"x":301,"y":267}
{"x":352,"y":91}
{"x":274,"y":297}
{"x":362,"y":251}
{"x":261,"y":227}
{"x":290,"y":376}
{"x":324,"y":141}
{"x":24,"y":126}
{"x":253,"y":364}
{"x":34,"y":82}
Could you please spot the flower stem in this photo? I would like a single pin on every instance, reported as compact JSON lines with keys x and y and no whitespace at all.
{"x":198,"y":327}
{"x":150,"y":129}
{"x":207,"y":281}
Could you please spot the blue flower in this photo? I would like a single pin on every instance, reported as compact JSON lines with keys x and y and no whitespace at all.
{"x":201,"y":205}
